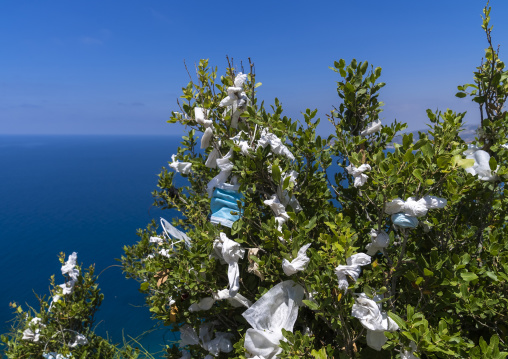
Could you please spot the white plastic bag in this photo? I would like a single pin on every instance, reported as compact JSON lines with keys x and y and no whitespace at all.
{"x":277,"y":309}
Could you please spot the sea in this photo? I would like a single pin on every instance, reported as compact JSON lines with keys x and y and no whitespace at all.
{"x":84,"y":194}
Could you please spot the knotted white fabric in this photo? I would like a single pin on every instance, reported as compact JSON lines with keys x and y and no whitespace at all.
{"x":359,"y":177}
{"x":79,"y":339}
{"x":157,"y":240}
{"x":230,"y":251}
{"x":188,"y":336}
{"x":180,"y":167}
{"x":221,"y":342}
{"x":207,"y":136}
{"x":225,"y":166}
{"x":68,"y":269}
{"x":236,"y":100}
{"x":243,"y":144}
{"x":200,"y":117}
{"x":278,"y":209}
{"x":283,"y":194}
{"x":374,"y":320}
{"x":185,"y":354}
{"x":33,"y":332}
{"x":352,"y":269}
{"x":174,"y":233}
{"x":481,"y":166}
{"x":408,"y":354}
{"x":372,"y":127}
{"x":236,"y":301}
{"x":415,"y":208}
{"x":277,"y":309}
{"x":297,"y":264}
{"x":379,"y":241}
{"x":53,"y":355}
{"x":278,"y":147}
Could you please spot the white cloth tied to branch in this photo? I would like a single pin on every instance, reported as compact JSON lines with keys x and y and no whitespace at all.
{"x":226,"y":166}
{"x":379,"y":241}
{"x":278,"y":147}
{"x":284,"y":195}
{"x":277,"y":309}
{"x":236,"y":100}
{"x":231,"y":252}
{"x":279,"y":210}
{"x":297,"y":264}
{"x":207,"y":136}
{"x":53,"y":355}
{"x":200,"y":117}
{"x":372,"y":127}
{"x":243,"y":144}
{"x":221,"y":342}
{"x":352,"y":269}
{"x":374,"y":320}
{"x":236,"y":301}
{"x":180,"y":167}
{"x":33,"y":332}
{"x":68,"y":269}
{"x":174,"y":233}
{"x":409,"y":354}
{"x":481,"y":166}
{"x":359,"y":177}
{"x":415,"y":208}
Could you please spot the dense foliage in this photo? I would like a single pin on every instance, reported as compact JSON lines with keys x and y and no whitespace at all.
{"x":405,"y":249}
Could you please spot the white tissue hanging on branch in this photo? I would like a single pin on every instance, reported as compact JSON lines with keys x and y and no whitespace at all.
{"x":181,"y":167}
{"x":481,"y":166}
{"x":200,"y":117}
{"x":359,"y":177}
{"x":236,"y":100}
{"x":379,"y":241}
{"x":372,"y":127}
{"x":277,"y":309}
{"x":231,"y":252}
{"x":374,"y":320}
{"x":352,"y":269}
{"x":297,"y":264}
{"x":415,"y":208}
{"x":278,"y":147}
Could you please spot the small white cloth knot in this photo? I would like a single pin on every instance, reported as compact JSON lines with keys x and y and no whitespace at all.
{"x":359,"y":177}
{"x":352,"y":269}
{"x":297,"y":264}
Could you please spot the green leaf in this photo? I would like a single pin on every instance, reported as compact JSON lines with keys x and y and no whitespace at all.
{"x":276,"y":173}
{"x":493,"y":164}
{"x":312,"y":305}
{"x":144,"y":286}
{"x":461,"y":94}
{"x":400,"y":322}
{"x":427,"y":272}
{"x":468,"y":276}
{"x":491,"y":275}
{"x":427,"y":150}
{"x":418,"y":174}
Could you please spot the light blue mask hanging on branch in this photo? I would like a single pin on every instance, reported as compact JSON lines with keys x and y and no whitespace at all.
{"x":223,"y":203}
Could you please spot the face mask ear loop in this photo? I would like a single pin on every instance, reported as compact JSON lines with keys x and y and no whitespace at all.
{"x":169,"y":236}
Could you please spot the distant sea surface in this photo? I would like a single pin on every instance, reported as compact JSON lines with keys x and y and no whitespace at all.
{"x":87,"y":194}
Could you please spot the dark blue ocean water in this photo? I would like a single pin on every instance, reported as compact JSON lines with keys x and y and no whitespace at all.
{"x":87,"y":194}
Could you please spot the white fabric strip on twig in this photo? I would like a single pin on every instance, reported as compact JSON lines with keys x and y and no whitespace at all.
{"x":297,"y":264}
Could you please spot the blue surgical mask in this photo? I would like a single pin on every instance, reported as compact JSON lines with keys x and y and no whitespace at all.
{"x":404,"y":221}
{"x":223,"y":203}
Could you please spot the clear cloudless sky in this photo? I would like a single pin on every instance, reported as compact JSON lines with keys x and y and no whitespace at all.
{"x":116,"y":67}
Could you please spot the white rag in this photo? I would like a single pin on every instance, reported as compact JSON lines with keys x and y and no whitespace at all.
{"x":352,"y":269}
{"x":374,"y":320}
{"x":230,"y":252}
{"x":236,"y":100}
{"x":225,"y":166}
{"x":180,"y":167}
{"x":372,"y":127}
{"x":278,"y":147}
{"x":297,"y":264}
{"x":236,"y":301}
{"x":200,"y":117}
{"x":379,"y":241}
{"x":414,"y":208}
{"x":207,"y":136}
{"x":283,"y":194}
{"x":359,"y":177}
{"x":277,"y":309}
{"x":481,"y":166}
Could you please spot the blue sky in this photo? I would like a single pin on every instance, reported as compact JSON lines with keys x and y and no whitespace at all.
{"x":116,"y":67}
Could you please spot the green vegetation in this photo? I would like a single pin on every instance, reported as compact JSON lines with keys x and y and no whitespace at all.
{"x":438,"y":290}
